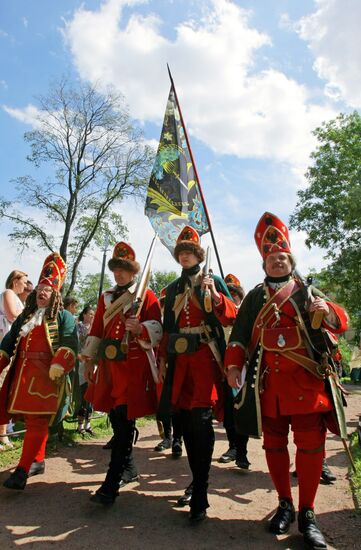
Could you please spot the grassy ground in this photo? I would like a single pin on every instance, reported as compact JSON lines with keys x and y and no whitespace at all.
{"x":355,"y":447}
{"x":70,"y":437}
{"x":100,"y":425}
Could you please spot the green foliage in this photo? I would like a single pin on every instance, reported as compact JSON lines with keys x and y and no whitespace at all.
{"x":161,"y":279}
{"x":346,"y":352}
{"x":355,"y":448}
{"x":87,"y":289}
{"x":329,"y":210}
{"x":95,"y":158}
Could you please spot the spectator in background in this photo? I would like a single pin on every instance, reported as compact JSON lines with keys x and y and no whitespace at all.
{"x":71,"y":304}
{"x":85,"y":410}
{"x":27,"y":290}
{"x":10,"y":307}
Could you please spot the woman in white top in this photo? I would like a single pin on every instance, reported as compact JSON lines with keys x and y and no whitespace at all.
{"x":10,"y":307}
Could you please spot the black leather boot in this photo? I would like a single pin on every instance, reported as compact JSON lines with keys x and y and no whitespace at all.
{"x":308,"y":527}
{"x":120,"y":456}
{"x":228,"y":456}
{"x":326,"y":475}
{"x":17,"y":480}
{"x":37,"y":468}
{"x":185,"y":499}
{"x":203,"y":445}
{"x":284,"y":516}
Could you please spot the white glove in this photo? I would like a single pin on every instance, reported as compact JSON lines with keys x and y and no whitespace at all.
{"x":56,"y":371}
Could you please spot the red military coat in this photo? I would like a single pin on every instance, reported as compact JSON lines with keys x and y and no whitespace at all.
{"x":130,"y":381}
{"x":27,"y":388}
{"x":197,"y":378}
{"x":278,"y":384}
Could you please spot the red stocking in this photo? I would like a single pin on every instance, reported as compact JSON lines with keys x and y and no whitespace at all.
{"x":35,"y":439}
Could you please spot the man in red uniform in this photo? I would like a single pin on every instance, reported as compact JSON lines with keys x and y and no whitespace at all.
{"x":237,"y":450}
{"x":124,"y":385}
{"x":41,"y":346}
{"x":285,"y":377}
{"x":193,"y":345}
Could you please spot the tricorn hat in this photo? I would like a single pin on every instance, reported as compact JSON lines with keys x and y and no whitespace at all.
{"x":124,"y":258}
{"x":189,"y":240}
{"x":271,"y":235}
{"x":53,"y":271}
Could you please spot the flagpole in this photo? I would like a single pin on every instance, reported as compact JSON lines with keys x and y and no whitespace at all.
{"x":196,"y":174}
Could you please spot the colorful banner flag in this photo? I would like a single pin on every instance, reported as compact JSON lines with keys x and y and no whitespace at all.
{"x":173,"y":197}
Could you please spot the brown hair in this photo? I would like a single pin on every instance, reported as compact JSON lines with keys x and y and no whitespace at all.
{"x":191,"y":247}
{"x":128,"y":265}
{"x":56,"y":304}
{"x":69,"y":301}
{"x":14,"y":275}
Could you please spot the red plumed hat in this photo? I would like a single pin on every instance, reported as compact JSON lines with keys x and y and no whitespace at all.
{"x":53,"y":272}
{"x":271,"y":235}
{"x":123,"y":257}
{"x":232,"y":280}
{"x":189,"y":240}
{"x":234,"y":285}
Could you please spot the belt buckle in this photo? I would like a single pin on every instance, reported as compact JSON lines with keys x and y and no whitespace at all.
{"x":111,"y":351}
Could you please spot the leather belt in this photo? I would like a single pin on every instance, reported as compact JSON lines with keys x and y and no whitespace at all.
{"x":35,"y":355}
{"x":202,"y":330}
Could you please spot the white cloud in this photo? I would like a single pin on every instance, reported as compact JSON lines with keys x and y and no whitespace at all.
{"x":332,"y":33}
{"x":230,"y":105}
{"x":27,"y":115}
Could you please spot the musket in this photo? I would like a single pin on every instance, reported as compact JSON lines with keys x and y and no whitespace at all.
{"x":139,"y":294}
{"x":207,"y":271}
{"x":330,"y":373}
{"x":317,"y":316}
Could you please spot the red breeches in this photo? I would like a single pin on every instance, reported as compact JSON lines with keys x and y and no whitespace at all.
{"x":309,"y":437}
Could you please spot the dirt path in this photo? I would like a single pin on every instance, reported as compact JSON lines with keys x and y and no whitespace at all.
{"x":54,"y":510}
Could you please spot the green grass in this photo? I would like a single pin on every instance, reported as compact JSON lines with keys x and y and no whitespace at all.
{"x":355,"y":448}
{"x":71,"y":438}
{"x":101,"y":427}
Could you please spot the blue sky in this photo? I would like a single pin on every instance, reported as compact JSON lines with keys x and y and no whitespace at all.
{"x":254,"y":78}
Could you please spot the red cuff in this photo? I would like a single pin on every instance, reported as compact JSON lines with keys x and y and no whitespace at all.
{"x":342,"y":319}
{"x":144,"y":334}
{"x":235,"y":355}
{"x":64,"y":357}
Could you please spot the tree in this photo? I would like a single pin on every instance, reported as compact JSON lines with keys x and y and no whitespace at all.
{"x":87,"y":289}
{"x":97,"y":158}
{"x":161,"y":279}
{"x":329,"y":210}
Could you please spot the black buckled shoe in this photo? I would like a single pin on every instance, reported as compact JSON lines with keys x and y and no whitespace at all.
{"x":327,"y":477}
{"x":16,"y":480}
{"x":284,"y":516}
{"x":37,"y":468}
{"x":311,"y":533}
{"x":228,"y":456}
{"x":124,"y":481}
{"x":177,"y":448}
{"x":185,"y":499}
{"x":165,"y":444}
{"x":197,"y":517}
{"x":102,"y":496}
{"x":242,"y":462}
{"x":109,"y":444}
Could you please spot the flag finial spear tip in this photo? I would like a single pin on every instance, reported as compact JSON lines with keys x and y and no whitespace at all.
{"x":170,"y":74}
